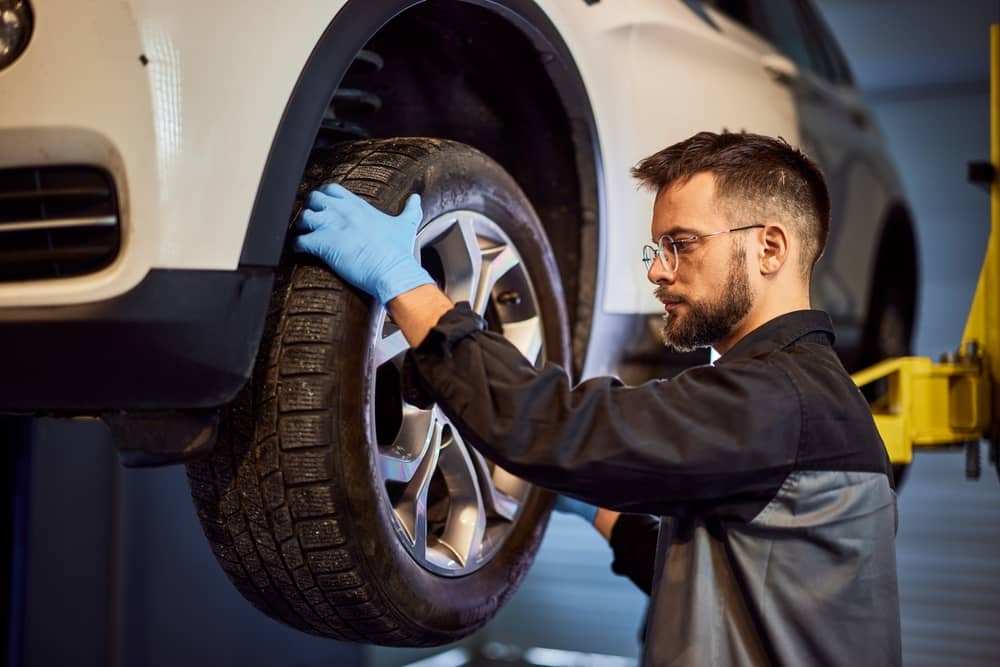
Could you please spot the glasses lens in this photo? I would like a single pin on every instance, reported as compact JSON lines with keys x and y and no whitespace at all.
{"x":648,"y":255}
{"x":668,"y":253}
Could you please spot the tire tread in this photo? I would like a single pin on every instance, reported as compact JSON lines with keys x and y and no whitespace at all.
{"x":309,"y":579}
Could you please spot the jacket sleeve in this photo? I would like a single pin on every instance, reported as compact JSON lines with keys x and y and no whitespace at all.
{"x":712,"y":434}
{"x":633,"y":540}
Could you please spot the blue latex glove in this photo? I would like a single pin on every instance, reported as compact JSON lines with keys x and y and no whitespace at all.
{"x":568,"y":505}
{"x":366,"y":247}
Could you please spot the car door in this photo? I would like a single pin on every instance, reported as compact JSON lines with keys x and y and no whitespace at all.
{"x":668,"y":70}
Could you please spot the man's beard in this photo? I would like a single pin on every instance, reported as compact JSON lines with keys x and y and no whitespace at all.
{"x":705,"y":323}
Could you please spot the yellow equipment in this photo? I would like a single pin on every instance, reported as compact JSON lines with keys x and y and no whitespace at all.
{"x":955,"y":402}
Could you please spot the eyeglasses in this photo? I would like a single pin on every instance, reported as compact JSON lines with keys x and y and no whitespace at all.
{"x":670,"y":249}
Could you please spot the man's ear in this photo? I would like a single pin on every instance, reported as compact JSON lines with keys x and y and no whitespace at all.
{"x":774,"y":248}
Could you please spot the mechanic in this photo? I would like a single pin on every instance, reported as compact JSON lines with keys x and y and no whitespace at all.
{"x":776,"y":542}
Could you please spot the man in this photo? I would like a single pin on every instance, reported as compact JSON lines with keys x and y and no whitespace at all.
{"x":777,"y":542}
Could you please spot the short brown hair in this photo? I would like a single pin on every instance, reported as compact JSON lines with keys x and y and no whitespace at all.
{"x":756,"y":177}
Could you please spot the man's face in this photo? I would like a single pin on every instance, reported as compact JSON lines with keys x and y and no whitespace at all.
{"x":709,"y":294}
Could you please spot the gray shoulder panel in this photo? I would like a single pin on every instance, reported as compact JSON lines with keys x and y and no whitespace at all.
{"x":821,"y":557}
{"x":814,"y":498}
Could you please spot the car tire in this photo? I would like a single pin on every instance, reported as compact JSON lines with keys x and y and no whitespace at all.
{"x":888,"y":334}
{"x":305,"y":499}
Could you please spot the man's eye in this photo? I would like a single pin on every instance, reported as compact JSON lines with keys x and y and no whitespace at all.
{"x":683,"y":246}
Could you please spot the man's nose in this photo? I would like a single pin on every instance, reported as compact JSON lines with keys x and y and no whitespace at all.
{"x":658,"y":273}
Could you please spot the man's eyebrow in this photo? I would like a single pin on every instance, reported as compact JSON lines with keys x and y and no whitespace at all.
{"x":679,"y":231}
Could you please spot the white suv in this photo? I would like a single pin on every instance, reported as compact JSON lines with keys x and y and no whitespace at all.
{"x":153,"y":154}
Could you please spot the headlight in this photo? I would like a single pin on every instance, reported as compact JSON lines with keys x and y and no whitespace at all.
{"x":15,"y":29}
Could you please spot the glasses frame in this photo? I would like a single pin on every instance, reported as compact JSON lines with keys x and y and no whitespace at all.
{"x":650,"y":253}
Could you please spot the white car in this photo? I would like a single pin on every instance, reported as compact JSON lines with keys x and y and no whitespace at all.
{"x":152,"y":157}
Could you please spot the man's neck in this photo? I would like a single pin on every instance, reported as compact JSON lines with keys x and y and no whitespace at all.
{"x":762,"y":313}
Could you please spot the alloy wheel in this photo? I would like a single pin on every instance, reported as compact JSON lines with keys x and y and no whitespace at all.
{"x":451,"y":508}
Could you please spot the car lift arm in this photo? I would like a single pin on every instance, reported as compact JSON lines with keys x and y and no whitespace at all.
{"x":955,"y":402}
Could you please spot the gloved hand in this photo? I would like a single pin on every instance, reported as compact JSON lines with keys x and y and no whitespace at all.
{"x":568,"y":505}
{"x":366,"y":247}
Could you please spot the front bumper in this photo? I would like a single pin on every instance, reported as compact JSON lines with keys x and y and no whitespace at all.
{"x":181,"y":339}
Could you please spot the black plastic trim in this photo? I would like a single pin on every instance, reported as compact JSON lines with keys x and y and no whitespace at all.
{"x":180,"y":339}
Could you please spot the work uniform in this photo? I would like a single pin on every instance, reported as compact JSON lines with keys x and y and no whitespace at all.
{"x":776,"y":544}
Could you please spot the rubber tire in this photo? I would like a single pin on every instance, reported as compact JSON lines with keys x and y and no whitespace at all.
{"x":290,"y":500}
{"x":888,"y":303}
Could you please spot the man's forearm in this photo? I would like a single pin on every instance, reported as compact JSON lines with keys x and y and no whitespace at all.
{"x":417,"y":311}
{"x":604,"y":522}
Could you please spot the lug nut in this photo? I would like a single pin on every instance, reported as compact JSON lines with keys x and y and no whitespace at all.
{"x":509,"y":298}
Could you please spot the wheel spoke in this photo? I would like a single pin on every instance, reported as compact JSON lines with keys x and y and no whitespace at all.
{"x":459,"y":251}
{"x":453,"y":509}
{"x":391,"y":345}
{"x":497,"y":487}
{"x":466,"y":524}
{"x":497,"y":262}
{"x":399,"y":462}
{"x":411,"y":509}
{"x":526,"y":336}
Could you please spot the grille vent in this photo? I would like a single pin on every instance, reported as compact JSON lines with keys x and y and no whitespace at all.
{"x":56,"y":222}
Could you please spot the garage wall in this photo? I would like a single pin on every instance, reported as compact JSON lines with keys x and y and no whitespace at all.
{"x":933,"y":132}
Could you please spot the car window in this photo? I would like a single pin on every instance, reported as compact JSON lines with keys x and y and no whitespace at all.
{"x":839,"y":69}
{"x":782,"y":23}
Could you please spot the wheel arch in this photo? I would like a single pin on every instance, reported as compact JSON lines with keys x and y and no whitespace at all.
{"x":346,"y":33}
{"x":528,"y":109}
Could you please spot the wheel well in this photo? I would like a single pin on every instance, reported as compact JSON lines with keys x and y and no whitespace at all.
{"x":897,"y":263}
{"x":460,"y":71}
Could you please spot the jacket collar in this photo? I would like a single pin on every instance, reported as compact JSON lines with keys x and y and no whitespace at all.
{"x":781,"y":332}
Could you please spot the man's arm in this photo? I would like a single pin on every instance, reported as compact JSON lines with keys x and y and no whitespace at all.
{"x":604,"y":522}
{"x":417,"y":311}
{"x":709,"y":436}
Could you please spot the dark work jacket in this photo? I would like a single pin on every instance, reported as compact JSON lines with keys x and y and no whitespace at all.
{"x":777,"y":542}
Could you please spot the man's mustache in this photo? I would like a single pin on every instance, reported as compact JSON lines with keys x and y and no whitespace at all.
{"x":663,"y":296}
